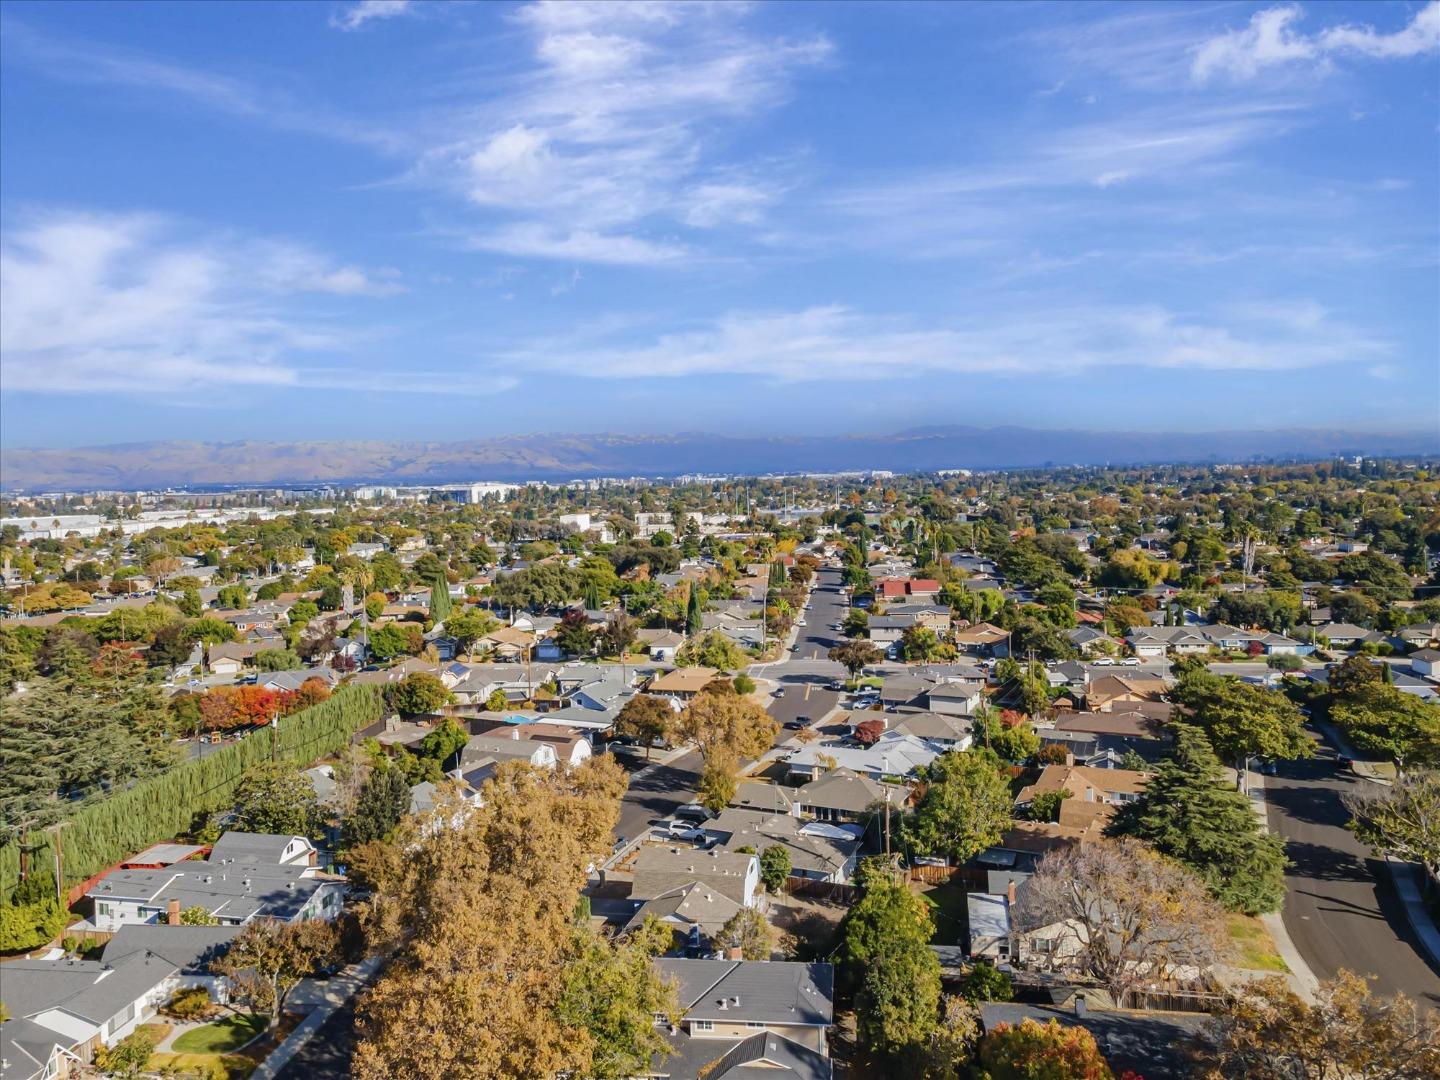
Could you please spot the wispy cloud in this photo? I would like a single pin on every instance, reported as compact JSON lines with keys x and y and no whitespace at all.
{"x":601,"y":149}
{"x":1272,"y":38}
{"x":98,"y":303}
{"x":357,"y":15}
{"x":834,"y":342}
{"x":73,"y":60}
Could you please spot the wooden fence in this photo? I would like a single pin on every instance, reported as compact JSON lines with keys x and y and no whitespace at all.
{"x":834,"y":891}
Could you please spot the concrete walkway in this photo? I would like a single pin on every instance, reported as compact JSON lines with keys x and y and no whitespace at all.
{"x":322,"y":997}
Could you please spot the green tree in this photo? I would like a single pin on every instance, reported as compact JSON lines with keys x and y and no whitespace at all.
{"x":383,"y":801}
{"x":1242,"y":720}
{"x":469,"y":625}
{"x":418,"y":692}
{"x":694,"y":621}
{"x":198,"y":916}
{"x":711,"y":650}
{"x":885,"y":957}
{"x":986,"y":982}
{"x":965,"y":809}
{"x":1031,"y":1051}
{"x":855,"y":656}
{"x":276,"y":797}
{"x":1380,"y":719}
{"x":1010,"y":742}
{"x":497,"y":701}
{"x":276,"y":660}
{"x":775,"y":867}
{"x":747,"y":931}
{"x":269,"y":958}
{"x":439,"y":599}
{"x":232,"y":597}
{"x":612,"y":992}
{"x":1402,"y":819}
{"x":128,"y":1057}
{"x":1191,"y":814}
{"x":396,"y":639}
{"x":1046,"y":805}
{"x":647,"y":718}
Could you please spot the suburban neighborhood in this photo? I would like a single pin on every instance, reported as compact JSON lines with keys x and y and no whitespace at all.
{"x":768,"y":754}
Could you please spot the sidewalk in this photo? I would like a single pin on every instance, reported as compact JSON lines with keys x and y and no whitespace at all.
{"x":323,"y":997}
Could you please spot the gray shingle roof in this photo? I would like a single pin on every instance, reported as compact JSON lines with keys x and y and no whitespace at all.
{"x":770,"y":991}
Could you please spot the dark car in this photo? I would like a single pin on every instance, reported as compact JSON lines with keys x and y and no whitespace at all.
{"x":797,"y":723}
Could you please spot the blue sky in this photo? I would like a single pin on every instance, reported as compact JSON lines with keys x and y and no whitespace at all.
{"x":417,"y":220}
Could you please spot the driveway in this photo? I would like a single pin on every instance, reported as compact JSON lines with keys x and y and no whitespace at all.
{"x":1341,"y":909}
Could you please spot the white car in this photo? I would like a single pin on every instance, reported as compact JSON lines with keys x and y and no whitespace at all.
{"x":1103,"y":661}
{"x":683,"y":830}
{"x":799,"y":622}
{"x":1131,"y":661}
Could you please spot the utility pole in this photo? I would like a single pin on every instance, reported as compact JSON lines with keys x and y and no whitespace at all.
{"x":887,"y":823}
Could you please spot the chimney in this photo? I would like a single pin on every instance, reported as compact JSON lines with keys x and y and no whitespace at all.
{"x":734,"y":952}
{"x":172,"y":912}
{"x":1010,"y":893}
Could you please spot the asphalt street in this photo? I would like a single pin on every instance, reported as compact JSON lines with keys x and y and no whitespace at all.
{"x":1341,"y":909}
{"x":327,"y":1055}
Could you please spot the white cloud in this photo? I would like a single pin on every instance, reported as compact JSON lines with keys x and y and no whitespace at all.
{"x":1273,"y":38}
{"x":538,"y":240}
{"x":357,"y":15}
{"x":107,"y":303}
{"x":1111,"y":178}
{"x":836,"y":343}
{"x":607,"y":140}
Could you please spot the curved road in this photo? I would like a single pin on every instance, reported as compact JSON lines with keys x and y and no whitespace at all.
{"x":1341,"y":909}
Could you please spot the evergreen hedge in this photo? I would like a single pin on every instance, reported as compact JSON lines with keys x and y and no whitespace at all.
{"x":100,"y":834}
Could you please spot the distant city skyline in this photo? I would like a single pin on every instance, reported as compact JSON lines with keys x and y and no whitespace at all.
{"x":402,"y":220}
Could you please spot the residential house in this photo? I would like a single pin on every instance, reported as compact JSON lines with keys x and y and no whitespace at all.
{"x":934,"y":617}
{"x":1108,"y":787}
{"x":661,"y":645}
{"x":61,"y":1010}
{"x":949,"y":731}
{"x":1425,"y":663}
{"x":1090,"y":641}
{"x":819,"y":851}
{"x":953,"y":699}
{"x":892,"y":755}
{"x":293,"y":680}
{"x":920,"y":590}
{"x":1109,"y":693}
{"x":572,"y":747}
{"x":746,"y":1019}
{"x":694,"y":912}
{"x":682,"y":683}
{"x":232,"y":657}
{"x":483,"y":752}
{"x":771,"y":798}
{"x":886,"y":630}
{"x":1346,"y":635}
{"x":845,"y":795}
{"x":660,"y":869}
{"x":271,"y":849}
{"x":233,"y":892}
{"x":982,"y":639}
{"x":508,"y":642}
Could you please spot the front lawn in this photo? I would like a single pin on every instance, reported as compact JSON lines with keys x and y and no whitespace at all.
{"x":222,"y":1036}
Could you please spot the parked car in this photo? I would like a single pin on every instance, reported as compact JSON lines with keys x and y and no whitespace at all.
{"x":1103,"y":661}
{"x":1131,"y":661}
{"x":779,"y":691}
{"x":684,"y":830}
{"x":693,"y":812}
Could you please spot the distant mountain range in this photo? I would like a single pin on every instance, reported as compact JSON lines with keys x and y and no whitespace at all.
{"x":564,"y":457}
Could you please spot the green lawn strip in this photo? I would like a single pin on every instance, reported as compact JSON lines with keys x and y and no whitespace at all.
{"x":222,"y":1036}
{"x":1253,"y":946}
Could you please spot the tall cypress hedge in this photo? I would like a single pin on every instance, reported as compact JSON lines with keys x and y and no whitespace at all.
{"x":165,"y":806}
